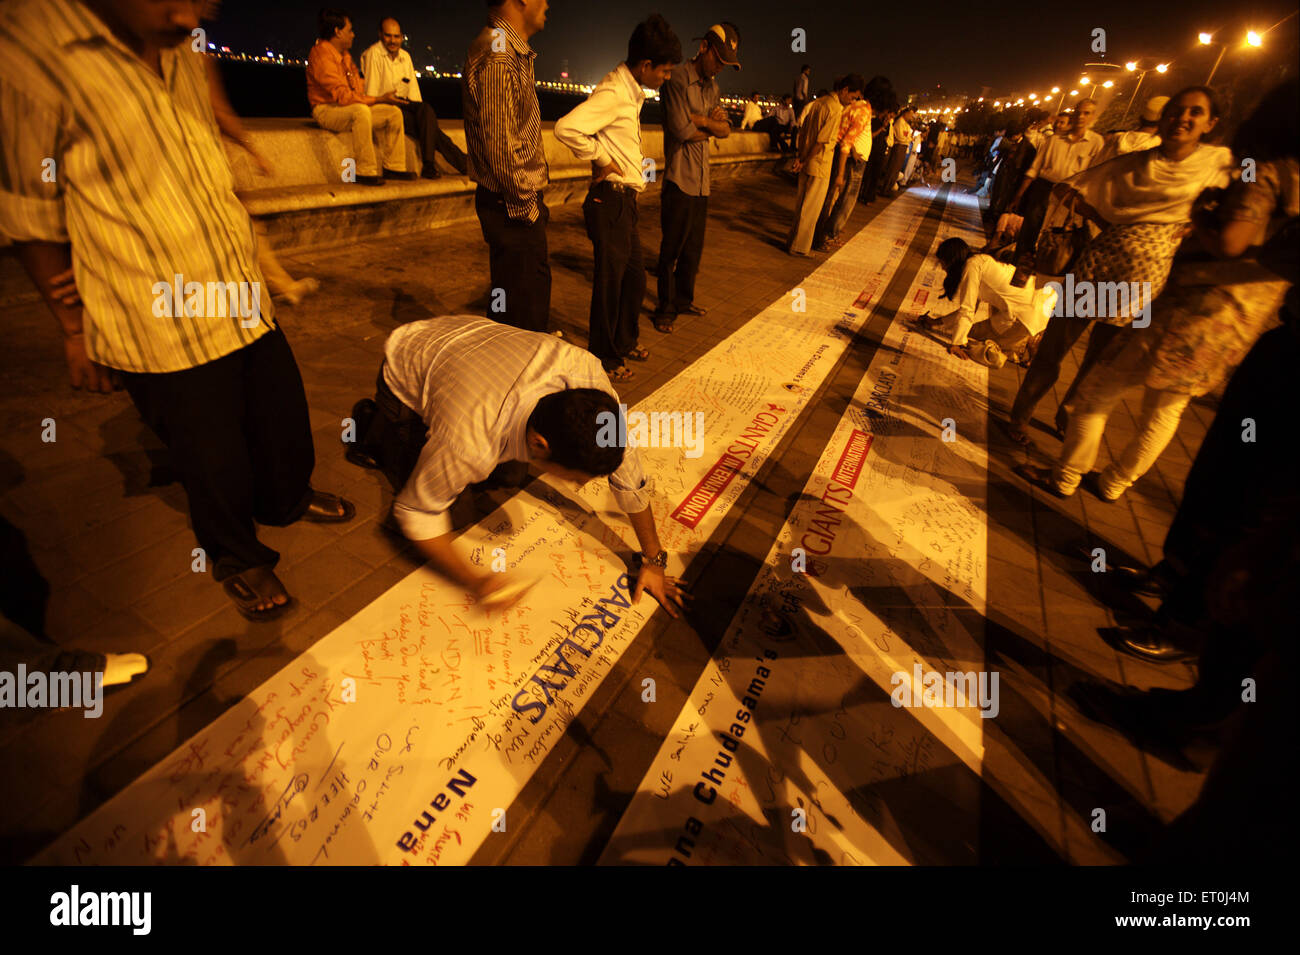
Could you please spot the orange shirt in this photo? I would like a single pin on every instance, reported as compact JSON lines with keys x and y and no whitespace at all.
{"x":332,"y":77}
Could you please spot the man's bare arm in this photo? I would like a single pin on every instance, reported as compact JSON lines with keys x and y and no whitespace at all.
{"x":50,"y":265}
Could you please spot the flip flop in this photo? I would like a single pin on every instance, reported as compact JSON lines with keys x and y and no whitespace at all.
{"x":246,"y":590}
{"x":638,"y":354}
{"x":323,"y":509}
{"x":621,"y":373}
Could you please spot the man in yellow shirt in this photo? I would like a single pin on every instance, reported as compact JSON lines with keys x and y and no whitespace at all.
{"x":814,"y":155}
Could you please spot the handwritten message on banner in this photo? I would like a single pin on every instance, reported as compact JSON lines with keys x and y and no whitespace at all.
{"x":404,"y":735}
{"x":789,"y":748}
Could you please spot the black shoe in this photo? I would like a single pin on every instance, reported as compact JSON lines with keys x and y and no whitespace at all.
{"x":1153,"y":644}
{"x":370,"y":180}
{"x":405,"y":176}
{"x":363,"y":414}
{"x":1140,"y":581}
{"x":692,"y":309}
{"x":430,"y":172}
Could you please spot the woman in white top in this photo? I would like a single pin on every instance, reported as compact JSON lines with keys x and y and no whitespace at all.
{"x":972,"y":278}
{"x":1142,"y":203}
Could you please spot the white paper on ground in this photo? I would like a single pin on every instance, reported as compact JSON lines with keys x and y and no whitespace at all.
{"x":441,"y":739}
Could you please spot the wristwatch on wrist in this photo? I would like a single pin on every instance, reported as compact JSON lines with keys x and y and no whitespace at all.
{"x":659,"y":560}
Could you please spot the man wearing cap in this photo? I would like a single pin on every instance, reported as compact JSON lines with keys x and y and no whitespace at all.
{"x":1144,"y":137}
{"x":691,"y":115}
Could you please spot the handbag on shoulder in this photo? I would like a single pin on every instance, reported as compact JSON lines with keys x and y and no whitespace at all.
{"x":1062,"y":239}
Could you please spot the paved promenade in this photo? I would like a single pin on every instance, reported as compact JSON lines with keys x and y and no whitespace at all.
{"x":108,"y":530}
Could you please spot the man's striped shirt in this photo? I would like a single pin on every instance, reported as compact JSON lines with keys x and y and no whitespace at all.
{"x":96,"y":149}
{"x":503,"y":123}
{"x":475,"y":382}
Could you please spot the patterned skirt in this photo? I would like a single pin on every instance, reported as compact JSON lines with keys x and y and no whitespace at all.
{"x":1139,"y":256}
{"x":1199,"y":333}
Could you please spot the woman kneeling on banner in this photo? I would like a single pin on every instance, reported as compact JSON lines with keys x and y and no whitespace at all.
{"x":1017,"y":316}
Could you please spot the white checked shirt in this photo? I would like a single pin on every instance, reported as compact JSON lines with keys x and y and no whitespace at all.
{"x":606,"y":127}
{"x":384,"y":74}
{"x":475,"y":383}
{"x":1062,"y":157}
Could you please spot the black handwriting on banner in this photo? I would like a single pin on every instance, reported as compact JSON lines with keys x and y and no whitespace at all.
{"x":593,"y":625}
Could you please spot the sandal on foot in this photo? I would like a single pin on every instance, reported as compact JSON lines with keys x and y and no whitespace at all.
{"x":621,"y":373}
{"x":663,"y":323}
{"x":252,"y":587}
{"x":1015,"y":433}
{"x":638,"y":354}
{"x":324,"y":509}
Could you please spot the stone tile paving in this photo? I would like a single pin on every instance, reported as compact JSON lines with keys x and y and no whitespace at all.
{"x":110,"y":534}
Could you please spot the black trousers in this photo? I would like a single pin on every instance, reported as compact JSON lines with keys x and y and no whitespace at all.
{"x":240,"y":439}
{"x":518,"y":262}
{"x":682,"y":219}
{"x":875,"y":168}
{"x":1033,"y":206}
{"x":618,"y":285}
{"x":422,"y":123}
{"x":1058,"y":338}
{"x":394,"y":435}
{"x":893,"y":166}
{"x":782,"y":136}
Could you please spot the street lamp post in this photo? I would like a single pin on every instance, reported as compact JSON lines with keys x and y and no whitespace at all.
{"x":1223,"y":48}
{"x":1141,"y":77}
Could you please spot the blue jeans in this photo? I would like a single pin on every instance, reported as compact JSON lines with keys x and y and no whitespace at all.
{"x":848,"y":198}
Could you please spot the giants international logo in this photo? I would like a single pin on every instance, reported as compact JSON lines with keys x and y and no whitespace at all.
{"x":691,"y":511}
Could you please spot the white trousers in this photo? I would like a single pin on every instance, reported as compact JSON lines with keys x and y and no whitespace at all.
{"x":1097,"y":397}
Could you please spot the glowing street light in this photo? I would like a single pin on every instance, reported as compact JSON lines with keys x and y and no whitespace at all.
{"x":1131,"y":65}
{"x":1162,"y":67}
{"x":1108,"y":84}
{"x":1074,"y":92}
{"x":1205,"y":38}
{"x":1084,"y":81}
{"x":1055,"y":90}
{"x":1254,"y":39}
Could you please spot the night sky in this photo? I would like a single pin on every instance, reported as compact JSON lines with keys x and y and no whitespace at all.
{"x":1009,"y":45}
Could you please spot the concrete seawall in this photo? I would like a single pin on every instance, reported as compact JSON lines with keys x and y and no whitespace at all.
{"x":305,"y":203}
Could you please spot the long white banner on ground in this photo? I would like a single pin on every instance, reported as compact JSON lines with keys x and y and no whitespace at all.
{"x":788,"y":748}
{"x":405,"y":734}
